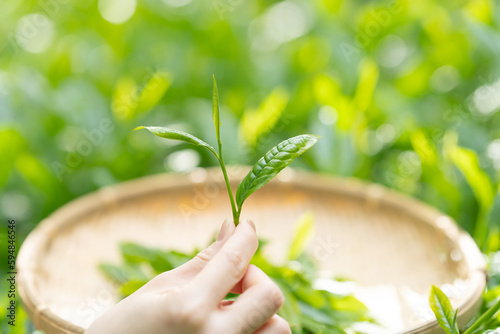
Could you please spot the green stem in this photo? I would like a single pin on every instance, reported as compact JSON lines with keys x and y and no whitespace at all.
{"x":486,"y":316}
{"x":236,"y":216}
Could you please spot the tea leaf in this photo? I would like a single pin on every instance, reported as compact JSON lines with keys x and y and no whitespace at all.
{"x":303,"y":233}
{"x":256,"y":123}
{"x":35,"y":172}
{"x":468,"y":163}
{"x":441,"y":306}
{"x":328,"y":92}
{"x":177,"y":135}
{"x":424,"y":147}
{"x":484,"y":318}
{"x":366,"y":86}
{"x":290,"y":310}
{"x":455,"y":321}
{"x":123,"y":274}
{"x":12,"y":145}
{"x":215,"y":111}
{"x":272,"y":163}
{"x":131,"y":286}
{"x":129,"y":100}
{"x":123,"y":104}
{"x":153,"y":91}
{"x":133,"y":253}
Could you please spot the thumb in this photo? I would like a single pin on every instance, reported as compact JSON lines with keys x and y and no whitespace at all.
{"x":195,"y":265}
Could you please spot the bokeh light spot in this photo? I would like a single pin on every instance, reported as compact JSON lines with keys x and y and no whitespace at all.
{"x":386,"y":133}
{"x":487,"y":98}
{"x":117,"y":11}
{"x":391,"y":51}
{"x":183,"y":161}
{"x":494,"y":152}
{"x":445,"y":79}
{"x":35,"y":33}
{"x":286,"y":21}
{"x":15,"y":205}
{"x":327,"y":115}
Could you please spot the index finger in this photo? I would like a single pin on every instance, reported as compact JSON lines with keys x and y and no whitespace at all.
{"x":228,"y":266}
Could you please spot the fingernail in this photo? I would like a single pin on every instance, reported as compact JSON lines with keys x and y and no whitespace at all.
{"x":249,"y":222}
{"x":223,"y":230}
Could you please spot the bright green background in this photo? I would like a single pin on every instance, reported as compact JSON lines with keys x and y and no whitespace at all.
{"x":404,"y":93}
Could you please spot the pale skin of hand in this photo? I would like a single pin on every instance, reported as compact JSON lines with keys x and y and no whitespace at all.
{"x":190,"y":299}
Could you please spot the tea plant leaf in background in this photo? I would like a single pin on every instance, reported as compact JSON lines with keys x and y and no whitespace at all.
{"x":441,"y":306}
{"x":455,"y":320}
{"x":447,"y":317}
{"x":12,"y":145}
{"x":468,"y":164}
{"x":368,"y":78}
{"x":266,"y":168}
{"x":304,"y":231}
{"x":485,"y":320}
{"x":307,"y":309}
{"x":131,"y":100}
{"x":123,"y":105}
{"x":255,"y":124}
{"x":153,"y":91}
{"x":493,"y":242}
{"x":328,"y":91}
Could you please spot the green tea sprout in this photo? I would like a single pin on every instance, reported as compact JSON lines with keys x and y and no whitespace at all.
{"x":261,"y":173}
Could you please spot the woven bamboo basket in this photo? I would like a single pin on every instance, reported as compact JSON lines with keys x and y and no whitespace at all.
{"x":364,"y":232}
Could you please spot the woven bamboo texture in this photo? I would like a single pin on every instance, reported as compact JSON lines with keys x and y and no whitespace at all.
{"x":362,"y":231}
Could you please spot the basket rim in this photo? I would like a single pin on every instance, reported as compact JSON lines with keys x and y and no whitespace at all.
{"x":374,"y":194}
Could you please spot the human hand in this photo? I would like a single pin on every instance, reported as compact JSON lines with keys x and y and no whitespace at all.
{"x":190,"y":299}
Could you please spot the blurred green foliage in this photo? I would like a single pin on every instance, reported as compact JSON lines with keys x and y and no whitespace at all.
{"x":404,"y":93}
